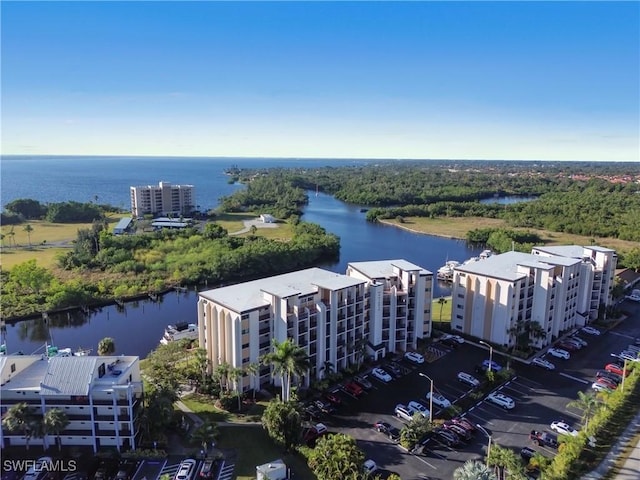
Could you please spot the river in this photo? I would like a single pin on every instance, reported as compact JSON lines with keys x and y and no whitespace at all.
{"x":138,"y":326}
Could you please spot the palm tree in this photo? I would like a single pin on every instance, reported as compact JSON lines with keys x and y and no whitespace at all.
{"x":205,"y":434}
{"x":12,"y":236}
{"x":2,"y":235}
{"x":106,"y":346}
{"x":586,"y":402}
{"x":235,"y":375}
{"x":442,"y":301}
{"x":55,"y":421}
{"x":473,"y":470}
{"x":253,"y":370}
{"x":28,"y":228}
{"x":327,"y":369}
{"x":19,"y":418}
{"x":222,"y":373}
{"x":286,"y":359}
{"x":360,"y":349}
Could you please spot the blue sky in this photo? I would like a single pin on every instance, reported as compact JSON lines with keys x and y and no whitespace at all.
{"x":502,"y":80}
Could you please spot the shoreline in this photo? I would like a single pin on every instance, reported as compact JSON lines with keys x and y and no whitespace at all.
{"x":387,"y":222}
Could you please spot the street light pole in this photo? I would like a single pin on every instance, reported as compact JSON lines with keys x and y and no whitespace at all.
{"x":483,"y":430}
{"x":490,"y":353}
{"x":624,"y":370}
{"x":430,"y":396}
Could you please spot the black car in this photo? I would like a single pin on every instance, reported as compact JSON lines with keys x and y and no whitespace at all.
{"x":389,"y":430}
{"x":450,"y":342}
{"x":312,"y":412}
{"x":526,"y":453}
{"x":107,"y":470}
{"x":617,"y":379}
{"x":544,"y":439}
{"x":394,"y":369}
{"x":208,"y":469}
{"x":324,"y":407}
{"x":449,"y":438}
{"x":126,"y":470}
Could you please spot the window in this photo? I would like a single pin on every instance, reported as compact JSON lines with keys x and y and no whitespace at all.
{"x":13,"y":367}
{"x":245,"y":345}
{"x":459,"y":317}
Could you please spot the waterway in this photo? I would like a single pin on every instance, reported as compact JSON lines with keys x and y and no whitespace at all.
{"x":138,"y":326}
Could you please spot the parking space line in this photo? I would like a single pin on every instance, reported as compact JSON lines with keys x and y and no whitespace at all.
{"x":523,"y":379}
{"x":621,"y":335}
{"x":566,"y":375}
{"x":423,"y":461}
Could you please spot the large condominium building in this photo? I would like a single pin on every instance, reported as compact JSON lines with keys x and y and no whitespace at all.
{"x":336,"y":318}
{"x":163,"y":199}
{"x":597,"y":272}
{"x":101,"y":396}
{"x":498,"y":298}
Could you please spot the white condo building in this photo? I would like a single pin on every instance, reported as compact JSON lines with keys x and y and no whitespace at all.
{"x":494,"y":298}
{"x":162,"y":199}
{"x":101,"y":396}
{"x":331,"y":315}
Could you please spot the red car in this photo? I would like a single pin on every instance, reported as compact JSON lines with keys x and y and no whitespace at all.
{"x":353,"y":389}
{"x":607,"y":383}
{"x":333,"y":398}
{"x":569,"y":347}
{"x":618,"y":370}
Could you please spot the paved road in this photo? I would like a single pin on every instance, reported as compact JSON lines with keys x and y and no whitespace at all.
{"x":631,"y":468}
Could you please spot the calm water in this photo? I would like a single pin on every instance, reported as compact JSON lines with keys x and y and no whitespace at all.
{"x":138,"y":327}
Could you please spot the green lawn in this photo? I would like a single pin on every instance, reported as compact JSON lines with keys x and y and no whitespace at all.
{"x":437,"y":307}
{"x":254,"y":447}
{"x":204,"y":407}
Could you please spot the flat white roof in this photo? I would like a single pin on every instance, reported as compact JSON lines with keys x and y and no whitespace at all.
{"x":505,"y":265}
{"x":249,"y":295}
{"x":29,"y":378}
{"x":384,"y":268}
{"x":573,"y":251}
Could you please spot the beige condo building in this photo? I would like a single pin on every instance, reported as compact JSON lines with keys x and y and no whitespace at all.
{"x":332,"y":316}
{"x":162,"y":199}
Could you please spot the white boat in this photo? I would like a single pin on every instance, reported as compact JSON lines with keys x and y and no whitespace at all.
{"x":485,"y":254}
{"x":180,"y":331}
{"x":446,"y":271}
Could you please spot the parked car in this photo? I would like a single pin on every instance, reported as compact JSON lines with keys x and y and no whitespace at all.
{"x":439,"y":400}
{"x":541,"y":362}
{"x":353,"y":388}
{"x":333,"y":398}
{"x":600,"y":387}
{"x":495,"y":367}
{"x":591,"y":330}
{"x":573,"y":341}
{"x":395,"y":369}
{"x":468,"y":379}
{"x":107,"y":470}
{"x":370,"y":467}
{"x":38,"y":468}
{"x":563,"y":428}
{"x":450,"y":342}
{"x":580,"y":340}
{"x":363,"y":381}
{"x":389,"y":430}
{"x":544,"y":439}
{"x":312,"y":433}
{"x":127,"y":470}
{"x":526,"y":453}
{"x":455,"y":338}
{"x":447,"y":437}
{"x":463,"y":433}
{"x":381,"y":375}
{"x":404,"y":412}
{"x":208,"y":469}
{"x":559,"y":353}
{"x":501,"y":400}
{"x":324,"y":407}
{"x":611,"y":376}
{"x":414,"y":357}
{"x":607,"y":383}
{"x":569,"y":347}
{"x":464,"y":423}
{"x":617,"y":369}
{"x":418,"y":407}
{"x":186,"y":469}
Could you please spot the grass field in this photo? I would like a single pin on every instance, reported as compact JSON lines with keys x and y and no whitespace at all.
{"x":441,"y":312}
{"x":457,"y":227}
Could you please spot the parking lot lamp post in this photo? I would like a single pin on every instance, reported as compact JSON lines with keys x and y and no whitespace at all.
{"x":430,"y":396}
{"x":484,"y":430}
{"x":490,"y":353}
{"x":624,"y":371}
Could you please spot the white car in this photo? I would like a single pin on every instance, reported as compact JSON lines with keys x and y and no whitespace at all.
{"x":468,"y":379}
{"x":501,"y":400}
{"x":439,"y":400}
{"x":456,"y":338}
{"x":634,"y":298}
{"x":579,"y":340}
{"x":418,"y":407}
{"x":381,"y":375}
{"x":370,"y":467}
{"x":559,"y":353}
{"x":591,"y":330}
{"x":563,"y":428}
{"x":541,"y":362}
{"x":404,"y":412}
{"x":414,"y":357}
{"x":38,"y":467}
{"x":186,"y":469}
{"x":599,"y":387}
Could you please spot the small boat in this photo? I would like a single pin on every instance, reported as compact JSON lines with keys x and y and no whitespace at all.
{"x":180,"y":331}
{"x":446,"y":271}
{"x":3,"y":349}
{"x":485,"y":254}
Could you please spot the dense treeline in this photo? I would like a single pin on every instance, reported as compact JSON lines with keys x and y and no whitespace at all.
{"x":134,"y":264}
{"x":502,"y":240}
{"x":591,"y":199}
{"x":25,"y":209}
{"x":277,"y":194}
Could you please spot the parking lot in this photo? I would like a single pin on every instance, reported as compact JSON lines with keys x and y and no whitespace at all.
{"x":541,"y":397}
